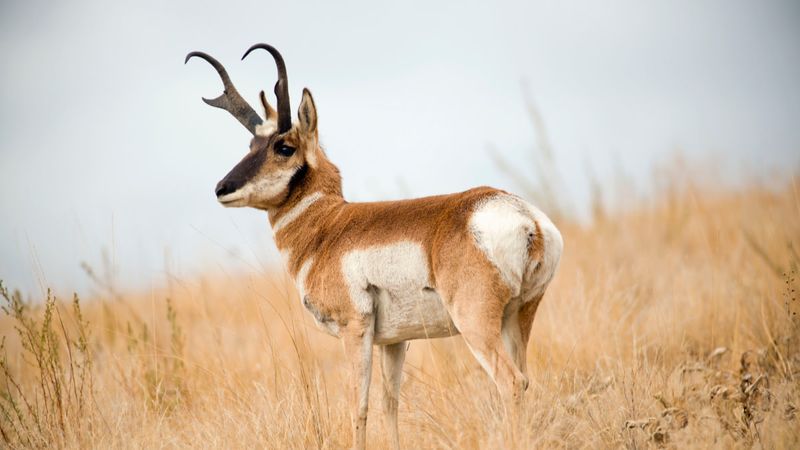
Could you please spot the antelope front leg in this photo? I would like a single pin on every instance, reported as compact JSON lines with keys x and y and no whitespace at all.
{"x":358,"y":350}
{"x":392,"y":358}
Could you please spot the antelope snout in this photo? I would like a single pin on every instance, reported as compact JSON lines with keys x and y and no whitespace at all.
{"x":230,"y":192}
{"x":225,"y":187}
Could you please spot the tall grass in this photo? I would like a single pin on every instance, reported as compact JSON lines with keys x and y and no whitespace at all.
{"x":674,"y":325}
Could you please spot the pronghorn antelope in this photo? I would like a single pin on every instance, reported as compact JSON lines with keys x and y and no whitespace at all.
{"x":476,"y":263}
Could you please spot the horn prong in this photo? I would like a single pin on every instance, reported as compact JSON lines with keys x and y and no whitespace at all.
{"x":230,"y":100}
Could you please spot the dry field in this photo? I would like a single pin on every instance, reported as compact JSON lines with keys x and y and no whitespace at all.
{"x":671,"y":325}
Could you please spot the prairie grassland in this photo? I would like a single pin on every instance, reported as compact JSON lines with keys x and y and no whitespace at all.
{"x":671,"y":325}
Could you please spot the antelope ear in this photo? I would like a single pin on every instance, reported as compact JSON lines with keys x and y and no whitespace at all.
{"x":307,"y":113}
{"x":270,"y":125}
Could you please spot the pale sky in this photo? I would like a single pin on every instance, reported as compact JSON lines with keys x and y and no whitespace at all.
{"x":105,"y":143}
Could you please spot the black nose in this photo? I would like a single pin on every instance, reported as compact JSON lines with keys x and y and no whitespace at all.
{"x":225,"y":187}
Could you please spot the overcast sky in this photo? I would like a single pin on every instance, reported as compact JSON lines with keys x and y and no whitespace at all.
{"x":105,"y":144}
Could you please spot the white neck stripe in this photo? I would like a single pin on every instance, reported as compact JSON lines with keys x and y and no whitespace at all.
{"x":296,"y":211}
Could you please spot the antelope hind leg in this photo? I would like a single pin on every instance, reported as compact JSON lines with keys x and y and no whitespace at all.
{"x":477,"y":312}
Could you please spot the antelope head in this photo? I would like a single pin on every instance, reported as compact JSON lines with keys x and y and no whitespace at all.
{"x":280,"y":151}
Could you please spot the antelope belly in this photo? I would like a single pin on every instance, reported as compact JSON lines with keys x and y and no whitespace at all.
{"x":414,"y":314}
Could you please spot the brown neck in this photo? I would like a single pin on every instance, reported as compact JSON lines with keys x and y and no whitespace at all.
{"x":297,"y":219}
{"x":324,"y":178}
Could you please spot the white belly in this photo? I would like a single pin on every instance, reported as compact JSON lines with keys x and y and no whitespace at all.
{"x":400,"y":316}
{"x":391,"y":281}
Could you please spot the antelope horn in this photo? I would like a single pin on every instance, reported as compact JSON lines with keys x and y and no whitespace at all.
{"x":281,"y":87}
{"x":230,"y":100}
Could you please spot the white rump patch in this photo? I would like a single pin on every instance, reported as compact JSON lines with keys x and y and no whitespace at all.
{"x":296,"y":211}
{"x":553,"y":247}
{"x":503,"y":229}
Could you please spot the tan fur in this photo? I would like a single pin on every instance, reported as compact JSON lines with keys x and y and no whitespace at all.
{"x":494,"y":318}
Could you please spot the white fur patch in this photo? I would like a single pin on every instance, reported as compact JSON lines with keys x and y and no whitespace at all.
{"x":411,"y":314}
{"x":502,"y":229}
{"x":237,"y":198}
{"x":324,"y":323}
{"x":264,"y":188}
{"x":296,"y":211}
{"x":327,"y":325}
{"x":392,"y":282}
{"x":553,"y":247}
{"x":302,"y":274}
{"x":267,"y":128}
{"x":395,"y":267}
{"x":273,"y":183}
{"x":286,"y":255}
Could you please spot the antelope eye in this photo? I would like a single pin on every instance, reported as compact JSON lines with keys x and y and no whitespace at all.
{"x":284,"y":150}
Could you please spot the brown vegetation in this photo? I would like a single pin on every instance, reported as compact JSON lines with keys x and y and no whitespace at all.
{"x":673,"y":325}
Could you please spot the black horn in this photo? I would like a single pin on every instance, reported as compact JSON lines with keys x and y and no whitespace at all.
{"x":281,"y":87}
{"x":230,"y":100}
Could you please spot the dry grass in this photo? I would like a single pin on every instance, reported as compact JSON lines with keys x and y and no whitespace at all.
{"x":673,"y":326}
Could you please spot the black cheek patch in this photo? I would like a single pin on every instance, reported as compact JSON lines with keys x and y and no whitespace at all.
{"x":298,"y":177}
